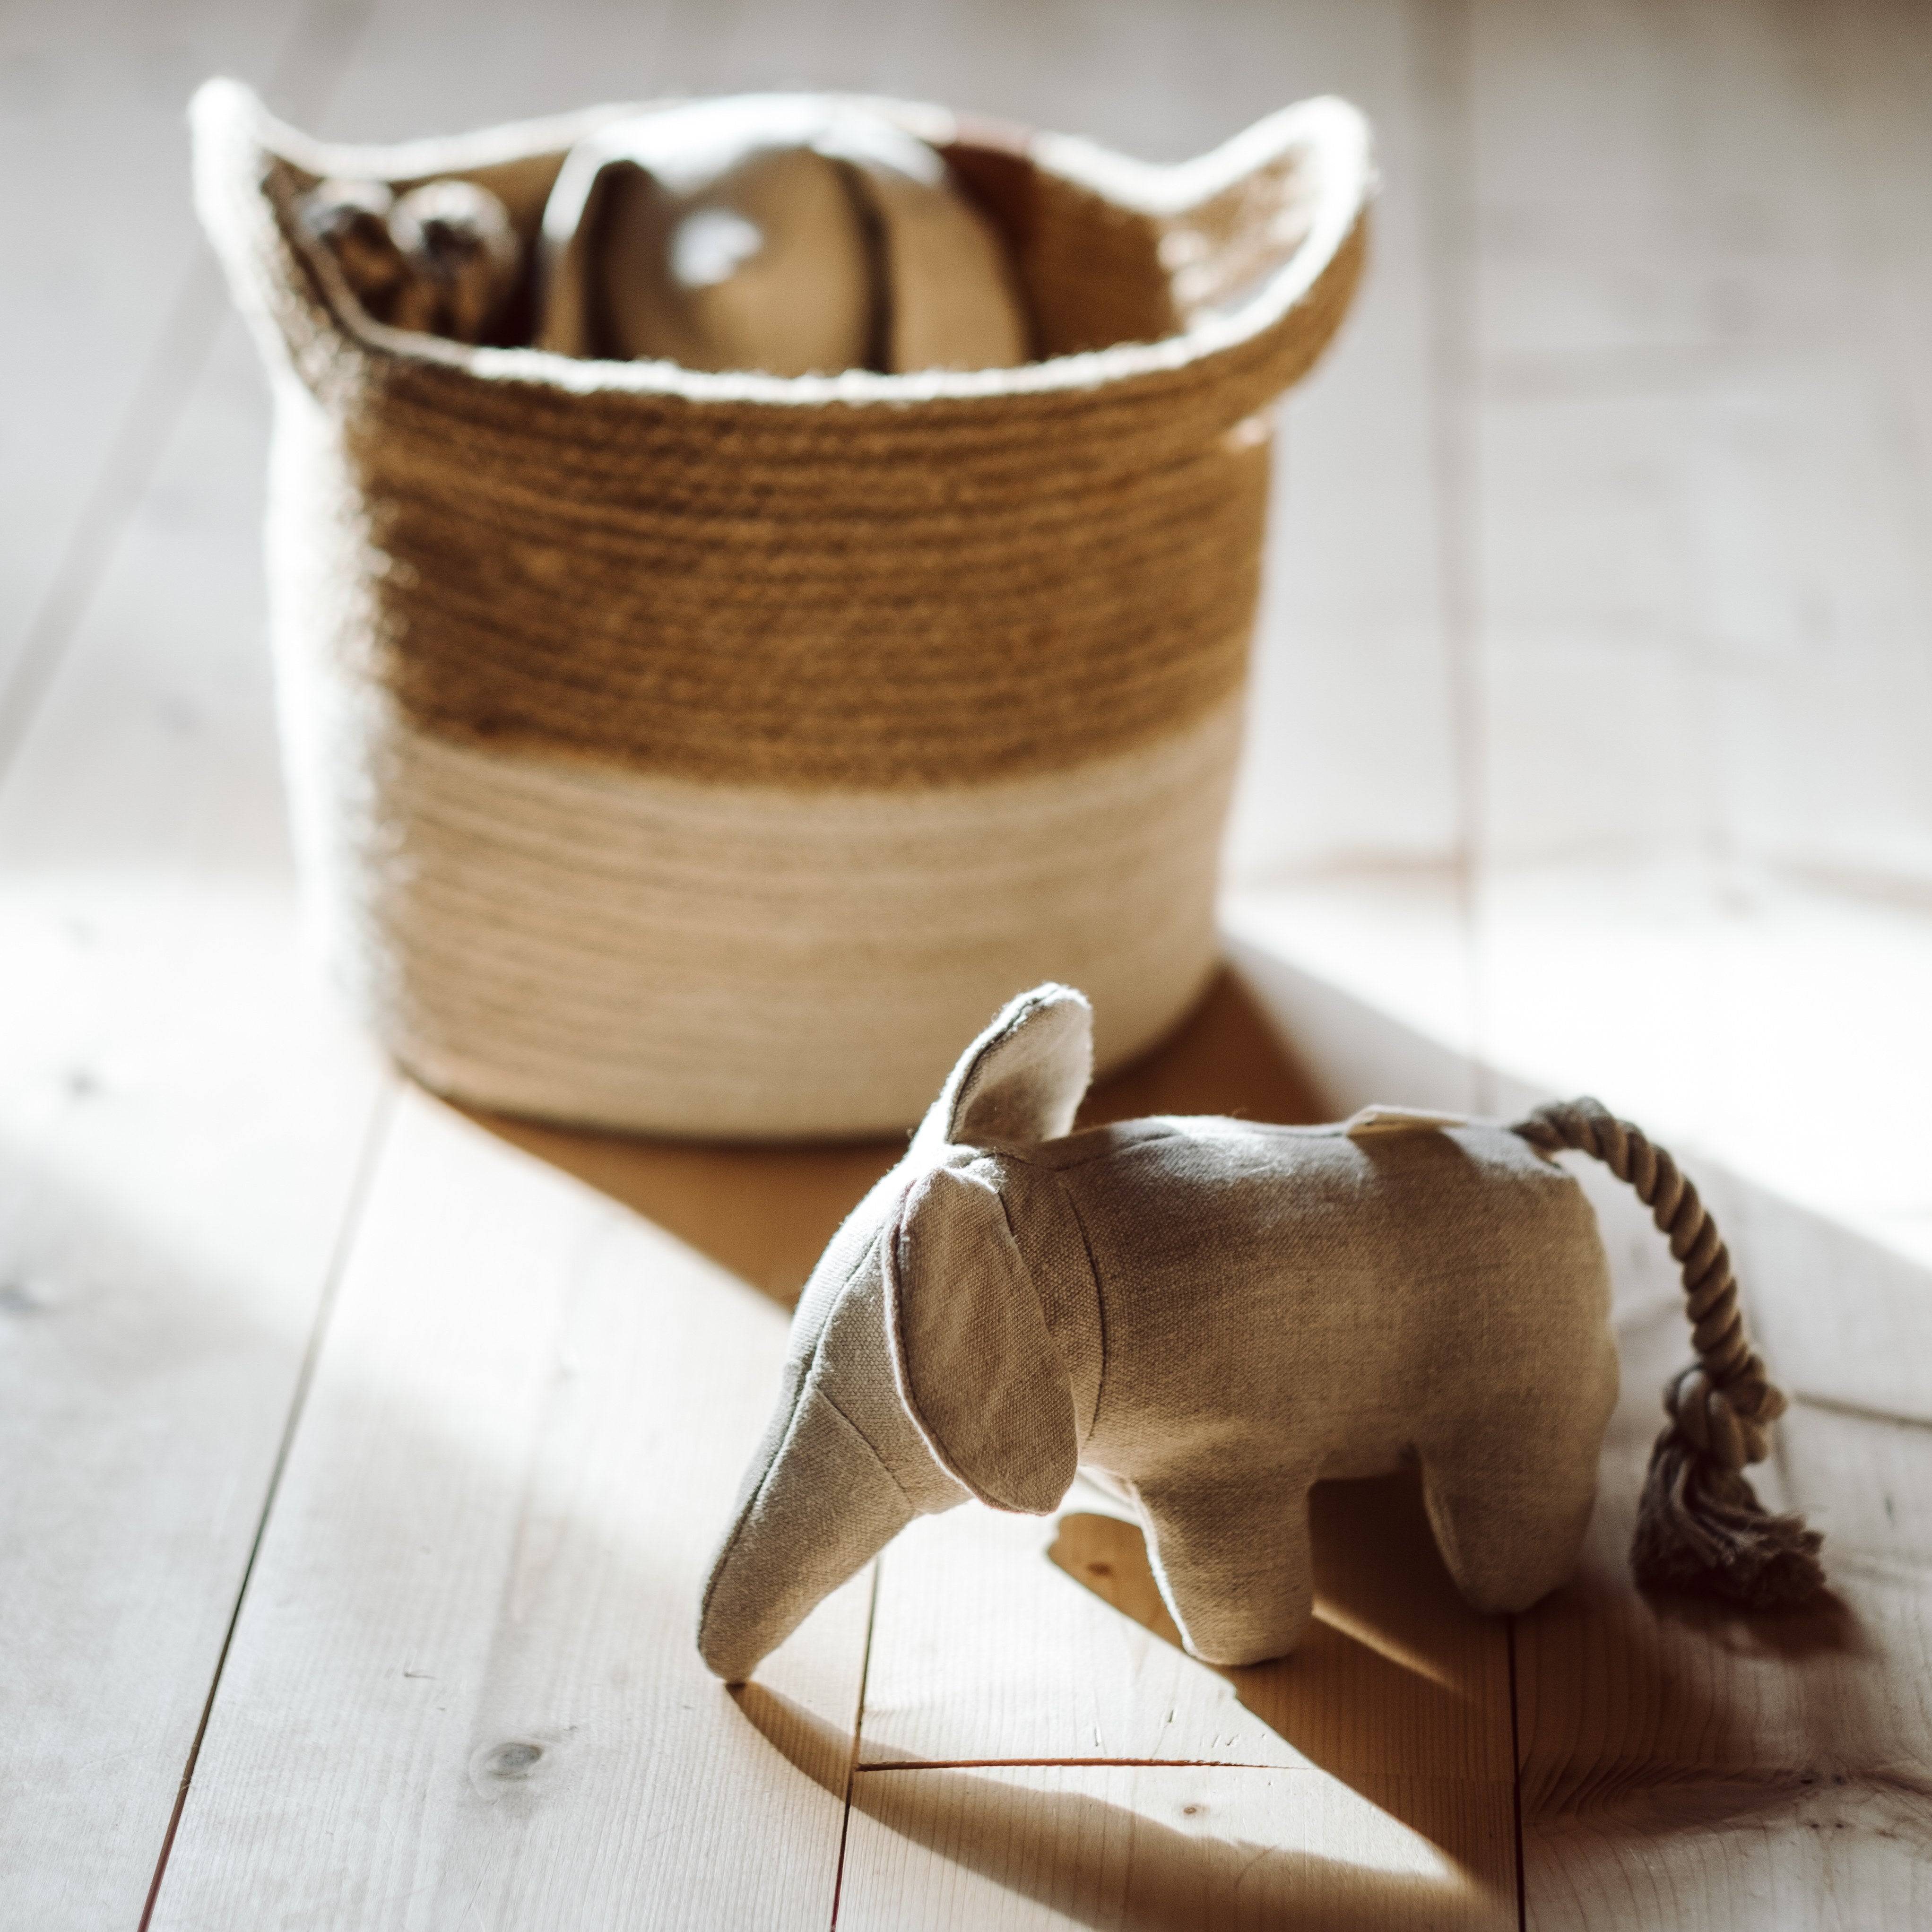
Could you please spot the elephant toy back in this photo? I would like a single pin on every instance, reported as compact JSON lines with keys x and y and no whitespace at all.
{"x":1208,"y":1316}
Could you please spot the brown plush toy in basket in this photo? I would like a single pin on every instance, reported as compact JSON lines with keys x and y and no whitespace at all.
{"x":686,"y":751}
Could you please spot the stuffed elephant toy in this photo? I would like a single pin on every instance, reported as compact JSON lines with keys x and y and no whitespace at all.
{"x":1208,"y":1316}
{"x":786,"y":233}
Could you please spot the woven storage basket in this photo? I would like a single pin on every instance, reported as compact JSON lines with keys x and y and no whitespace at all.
{"x":712,"y":753}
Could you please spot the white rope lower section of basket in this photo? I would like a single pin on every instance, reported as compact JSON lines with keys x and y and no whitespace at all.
{"x":586,"y":944}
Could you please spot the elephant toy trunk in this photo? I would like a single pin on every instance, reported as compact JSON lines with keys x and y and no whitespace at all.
{"x":819,"y":1510}
{"x":1700,"y":1526}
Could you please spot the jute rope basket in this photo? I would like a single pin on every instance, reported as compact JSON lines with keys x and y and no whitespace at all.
{"x":710,"y":754}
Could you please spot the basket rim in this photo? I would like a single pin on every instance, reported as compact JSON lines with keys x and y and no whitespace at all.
{"x":231,"y":122}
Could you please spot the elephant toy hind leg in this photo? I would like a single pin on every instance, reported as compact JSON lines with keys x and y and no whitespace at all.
{"x":1509,"y":1507}
{"x":1233,"y":1563}
{"x":1510,"y":1446}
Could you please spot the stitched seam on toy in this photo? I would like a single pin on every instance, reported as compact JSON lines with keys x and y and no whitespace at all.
{"x":1147,"y":1133}
{"x":1100,"y":1304}
{"x":806,"y":1390}
{"x":871,"y":1248}
{"x":1131,"y":1150}
{"x":870,"y":1450}
{"x":1013,"y":1235}
{"x":804,"y":1387}
{"x":744,"y":1515}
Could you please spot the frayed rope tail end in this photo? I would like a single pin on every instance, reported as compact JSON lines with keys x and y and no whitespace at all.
{"x":1701,"y":1529}
{"x":1700,"y":1526}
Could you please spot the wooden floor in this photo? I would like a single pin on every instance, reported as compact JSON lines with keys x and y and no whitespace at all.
{"x":361,"y":1459}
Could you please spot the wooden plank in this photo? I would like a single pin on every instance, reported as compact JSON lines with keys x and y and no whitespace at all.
{"x":1016,"y":1848}
{"x":1354,"y":744}
{"x":1400,"y":1694}
{"x":182,"y":1116}
{"x":428,"y":66}
{"x":1684,"y":1766}
{"x":464,"y":1686}
{"x":115,"y":300}
{"x":419,"y":68}
{"x":1704,"y":469}
{"x":1397,"y":1675}
{"x":1703,"y":659}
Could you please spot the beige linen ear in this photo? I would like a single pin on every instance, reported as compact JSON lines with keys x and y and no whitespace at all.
{"x":1023,"y":1079}
{"x":976,"y":1366}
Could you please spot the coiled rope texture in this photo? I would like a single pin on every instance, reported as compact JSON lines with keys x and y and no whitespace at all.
{"x":699,"y":753}
{"x":1700,"y":1525}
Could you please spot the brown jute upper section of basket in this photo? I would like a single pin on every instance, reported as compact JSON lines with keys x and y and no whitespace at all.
{"x":871,"y":593}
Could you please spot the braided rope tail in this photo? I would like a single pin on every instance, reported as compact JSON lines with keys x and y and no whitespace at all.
{"x":1700,"y":1526}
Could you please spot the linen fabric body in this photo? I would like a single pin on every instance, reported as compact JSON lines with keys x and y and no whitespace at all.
{"x":1208,"y":1316}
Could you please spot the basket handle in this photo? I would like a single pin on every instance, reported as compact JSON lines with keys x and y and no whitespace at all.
{"x":1261,"y":239}
{"x":284,"y":291}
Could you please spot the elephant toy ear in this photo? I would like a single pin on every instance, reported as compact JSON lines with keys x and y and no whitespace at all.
{"x":976,"y":1366}
{"x":1022,"y":1079}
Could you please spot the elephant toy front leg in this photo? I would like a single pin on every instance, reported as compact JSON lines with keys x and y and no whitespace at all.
{"x":1232,"y":1560}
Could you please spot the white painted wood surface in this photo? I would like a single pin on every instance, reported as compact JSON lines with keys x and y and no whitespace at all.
{"x":1600,"y":539}
{"x":181,"y":1119}
{"x":1684,"y":1766}
{"x":114,"y":303}
{"x":1704,"y":330}
{"x":464,"y":1687}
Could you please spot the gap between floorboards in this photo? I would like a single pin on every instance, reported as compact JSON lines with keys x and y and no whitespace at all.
{"x":382,"y":1115}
